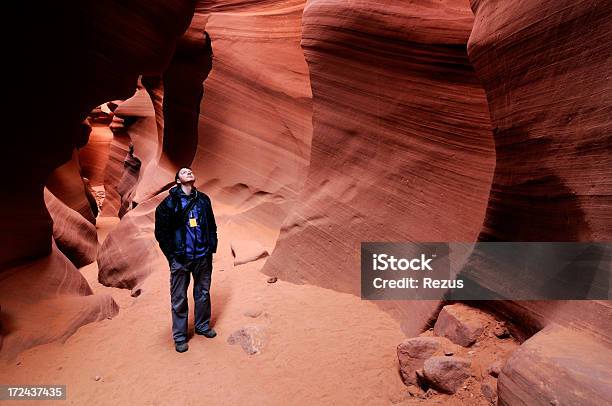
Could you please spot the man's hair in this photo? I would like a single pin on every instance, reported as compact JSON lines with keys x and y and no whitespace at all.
{"x":179,"y":170}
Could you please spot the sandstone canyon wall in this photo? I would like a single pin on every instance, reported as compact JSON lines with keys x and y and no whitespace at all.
{"x":75,"y":236}
{"x":251,"y":147}
{"x":545,"y":67}
{"x":71,"y":58}
{"x":101,"y":49}
{"x":412,"y":158}
{"x":327,"y":123}
{"x":402,"y":148}
{"x":67,"y":183}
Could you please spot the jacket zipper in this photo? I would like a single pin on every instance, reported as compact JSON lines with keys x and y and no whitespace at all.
{"x":195,"y":232}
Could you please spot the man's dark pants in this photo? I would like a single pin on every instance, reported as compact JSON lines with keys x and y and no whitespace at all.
{"x":201,"y":268}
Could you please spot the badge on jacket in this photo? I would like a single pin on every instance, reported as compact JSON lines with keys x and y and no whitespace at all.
{"x":193,"y":222}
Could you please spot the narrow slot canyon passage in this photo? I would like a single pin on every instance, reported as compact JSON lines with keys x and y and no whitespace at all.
{"x":337,"y":348}
{"x":312,"y":127}
{"x":314,"y":343}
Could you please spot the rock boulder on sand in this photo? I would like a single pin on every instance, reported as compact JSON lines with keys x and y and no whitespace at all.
{"x":558,"y":366}
{"x":494,"y":369}
{"x":245,"y":251}
{"x":488,"y":387}
{"x":461,"y":324}
{"x":413,"y":352}
{"x":251,"y":338}
{"x":446,"y":374}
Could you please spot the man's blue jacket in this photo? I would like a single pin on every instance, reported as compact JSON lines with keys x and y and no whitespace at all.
{"x":172,"y":233}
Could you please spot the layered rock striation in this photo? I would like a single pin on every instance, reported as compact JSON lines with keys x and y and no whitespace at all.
{"x":545,"y":67}
{"x":402,"y":148}
{"x":70,"y":59}
{"x":251,"y":147}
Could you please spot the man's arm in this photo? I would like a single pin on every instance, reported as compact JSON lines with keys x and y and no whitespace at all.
{"x":163,"y":230}
{"x":212,"y":227}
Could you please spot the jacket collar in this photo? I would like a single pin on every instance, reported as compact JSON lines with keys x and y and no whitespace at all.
{"x":176,"y":191}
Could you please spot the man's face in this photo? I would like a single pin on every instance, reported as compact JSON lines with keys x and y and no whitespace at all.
{"x":186,"y":176}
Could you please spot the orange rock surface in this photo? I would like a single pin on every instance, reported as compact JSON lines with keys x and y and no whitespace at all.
{"x":314,"y":126}
{"x":401,"y":148}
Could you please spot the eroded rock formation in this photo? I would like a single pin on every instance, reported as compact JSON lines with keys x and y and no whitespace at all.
{"x":402,"y":148}
{"x":99,"y":49}
{"x":116,"y":169}
{"x":76,"y":237}
{"x":254,"y":130}
{"x":67,"y":183}
{"x":340,"y":121}
{"x":46,"y":300}
{"x":544,"y":66}
{"x":557,"y":366}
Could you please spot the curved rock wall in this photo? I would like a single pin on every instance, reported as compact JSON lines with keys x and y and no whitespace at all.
{"x":45,"y":300}
{"x":67,"y":184}
{"x":176,"y":96}
{"x":255,"y":127}
{"x":71,"y":58}
{"x":76,"y":237}
{"x":139,"y":124}
{"x":253,"y":136}
{"x":402,"y":148}
{"x":94,"y":156}
{"x":119,"y":149}
{"x":100,"y":49}
{"x":545,"y":66}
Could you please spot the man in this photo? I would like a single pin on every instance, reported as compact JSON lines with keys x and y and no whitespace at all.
{"x":186,"y":231}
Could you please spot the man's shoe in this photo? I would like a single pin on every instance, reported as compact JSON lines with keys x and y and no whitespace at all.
{"x":181,"y":346}
{"x":210,"y":333}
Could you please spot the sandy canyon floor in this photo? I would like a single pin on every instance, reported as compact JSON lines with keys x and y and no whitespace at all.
{"x":321,"y":347}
